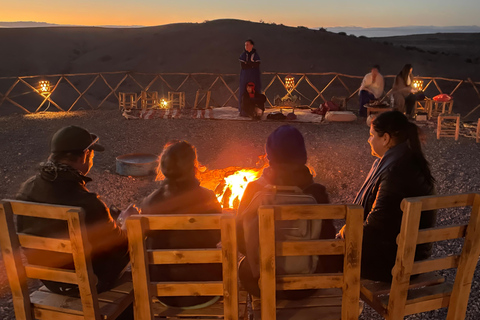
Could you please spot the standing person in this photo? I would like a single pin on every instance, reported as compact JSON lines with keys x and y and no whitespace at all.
{"x":253,"y":102}
{"x":370,"y":89}
{"x":250,"y":63}
{"x":401,"y":171}
{"x":403,"y":92}
{"x":62,"y":180}
{"x":180,"y":193}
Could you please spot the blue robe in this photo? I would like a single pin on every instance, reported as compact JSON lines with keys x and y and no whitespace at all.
{"x":250,"y":63}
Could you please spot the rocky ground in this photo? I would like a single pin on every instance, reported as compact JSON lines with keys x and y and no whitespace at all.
{"x":338,"y":152}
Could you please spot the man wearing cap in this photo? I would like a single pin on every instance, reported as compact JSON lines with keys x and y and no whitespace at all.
{"x":61,"y":180}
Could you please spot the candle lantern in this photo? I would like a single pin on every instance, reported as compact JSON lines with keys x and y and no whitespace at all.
{"x":163,"y":104}
{"x":417,"y":84}
{"x":289,"y":83}
{"x":44,"y":87}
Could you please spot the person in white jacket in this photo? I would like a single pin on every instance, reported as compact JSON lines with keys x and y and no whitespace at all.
{"x":371,"y":89}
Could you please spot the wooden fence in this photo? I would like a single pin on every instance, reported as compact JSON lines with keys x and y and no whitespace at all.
{"x":69,"y":92}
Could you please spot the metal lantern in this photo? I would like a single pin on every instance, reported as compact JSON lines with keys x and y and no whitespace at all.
{"x":289,"y":83}
{"x":417,"y":84}
{"x":44,"y":87}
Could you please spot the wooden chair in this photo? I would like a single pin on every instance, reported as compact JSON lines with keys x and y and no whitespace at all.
{"x":144,"y":306}
{"x":43,"y":304}
{"x":340,"y":296}
{"x":428,"y":291}
{"x":445,"y":129}
{"x":199,"y":96}
{"x":127,"y":100}
{"x":149,"y":99}
{"x":176,"y":99}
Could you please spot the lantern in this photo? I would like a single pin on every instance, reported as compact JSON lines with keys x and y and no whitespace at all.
{"x":163,"y":104}
{"x":289,"y":83}
{"x":417,"y":84}
{"x":44,"y":87}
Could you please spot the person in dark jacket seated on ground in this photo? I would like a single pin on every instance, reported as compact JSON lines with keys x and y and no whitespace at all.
{"x":253,"y":102}
{"x":401,"y":171}
{"x":287,"y":157}
{"x":62,"y":181}
{"x":180,"y":193}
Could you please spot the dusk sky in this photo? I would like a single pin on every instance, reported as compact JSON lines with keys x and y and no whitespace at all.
{"x":309,"y":13}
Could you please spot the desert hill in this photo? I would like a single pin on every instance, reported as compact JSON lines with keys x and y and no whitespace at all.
{"x":210,"y":47}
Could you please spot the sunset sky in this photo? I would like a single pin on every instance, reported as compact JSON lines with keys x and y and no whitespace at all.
{"x":309,"y":13}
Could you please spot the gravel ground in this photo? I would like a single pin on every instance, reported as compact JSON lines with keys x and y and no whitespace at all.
{"x":339,"y":153}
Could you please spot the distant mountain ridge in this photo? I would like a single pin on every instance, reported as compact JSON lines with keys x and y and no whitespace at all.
{"x":403,"y":31}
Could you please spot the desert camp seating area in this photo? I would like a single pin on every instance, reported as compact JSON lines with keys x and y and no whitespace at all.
{"x":416,"y":285}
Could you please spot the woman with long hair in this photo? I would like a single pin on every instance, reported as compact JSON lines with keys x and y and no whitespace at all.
{"x":180,"y":193}
{"x":403,"y":92}
{"x":401,"y":171}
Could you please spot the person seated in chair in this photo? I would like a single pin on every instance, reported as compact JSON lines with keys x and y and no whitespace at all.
{"x":371,"y":89}
{"x":400,"y":171}
{"x":253,"y":103}
{"x":287,"y":157}
{"x":180,"y":193}
{"x":62,"y":180}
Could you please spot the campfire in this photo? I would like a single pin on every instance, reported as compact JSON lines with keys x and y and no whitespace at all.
{"x":229,"y":183}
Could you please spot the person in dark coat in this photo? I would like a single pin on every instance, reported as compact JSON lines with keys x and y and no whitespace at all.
{"x":250,"y":63}
{"x":253,"y":102}
{"x":401,"y":171}
{"x":180,"y":193}
{"x":287,"y":157}
{"x":62,"y":180}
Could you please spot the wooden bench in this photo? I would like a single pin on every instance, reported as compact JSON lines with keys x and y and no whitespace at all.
{"x":43,"y":304}
{"x":448,"y":125}
{"x":146,"y":305}
{"x":340,"y":292}
{"x":428,"y":291}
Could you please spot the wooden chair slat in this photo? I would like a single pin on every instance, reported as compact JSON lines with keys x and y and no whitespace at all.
{"x":351,"y":262}
{"x":314,"y":281}
{"x":444,"y":201}
{"x":51,"y":274}
{"x":42,"y":243}
{"x":136,"y":226}
{"x":160,"y":310}
{"x":229,"y":267}
{"x":328,"y":301}
{"x":184,"y":222}
{"x":430,"y":265}
{"x":309,"y":212}
{"x":441,"y":233}
{"x":198,"y":288}
{"x":185,"y":256}
{"x":45,"y":314}
{"x":49,"y":211}
{"x":311,"y":247}
{"x":266,"y":216}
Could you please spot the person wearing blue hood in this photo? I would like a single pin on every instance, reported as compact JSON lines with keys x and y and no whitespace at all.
{"x":250,"y":63}
{"x":287,"y":157}
{"x":401,"y":171}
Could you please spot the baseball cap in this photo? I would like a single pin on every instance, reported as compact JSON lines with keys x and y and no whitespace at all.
{"x":74,"y":139}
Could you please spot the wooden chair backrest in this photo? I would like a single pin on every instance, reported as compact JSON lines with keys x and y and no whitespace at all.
{"x":149,"y":99}
{"x":127,"y":100}
{"x":142,"y":257}
{"x":350,"y":248}
{"x":77,"y":245}
{"x":465,"y":263}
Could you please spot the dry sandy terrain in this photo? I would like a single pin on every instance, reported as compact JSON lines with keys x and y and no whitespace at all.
{"x":339,"y":153}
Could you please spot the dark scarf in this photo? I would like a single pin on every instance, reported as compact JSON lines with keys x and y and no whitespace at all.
{"x":380,"y":166}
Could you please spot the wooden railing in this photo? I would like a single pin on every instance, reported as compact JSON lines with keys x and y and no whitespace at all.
{"x":69,"y":92}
